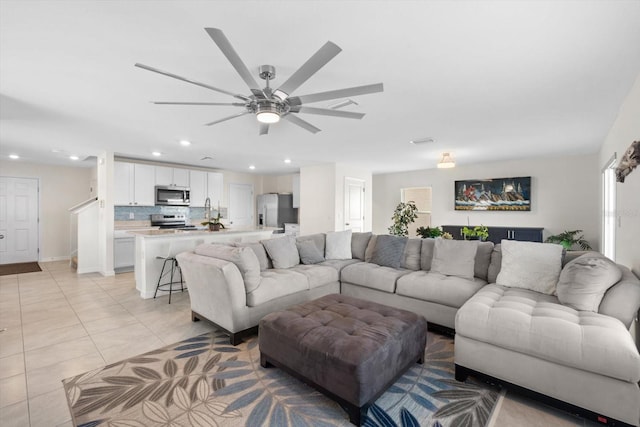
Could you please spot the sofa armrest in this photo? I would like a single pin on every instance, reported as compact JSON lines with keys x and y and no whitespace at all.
{"x":216,"y":288}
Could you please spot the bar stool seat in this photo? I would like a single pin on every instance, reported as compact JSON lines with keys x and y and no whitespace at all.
{"x":172,"y":271}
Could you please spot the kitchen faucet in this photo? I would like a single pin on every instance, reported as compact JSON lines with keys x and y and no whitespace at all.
{"x":207,"y":209}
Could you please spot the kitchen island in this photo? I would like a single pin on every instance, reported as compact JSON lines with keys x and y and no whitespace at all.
{"x":151,"y":244}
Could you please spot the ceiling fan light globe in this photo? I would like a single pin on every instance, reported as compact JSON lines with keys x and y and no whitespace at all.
{"x":268,"y":117}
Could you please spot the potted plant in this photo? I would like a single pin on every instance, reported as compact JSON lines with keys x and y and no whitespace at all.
{"x":570,"y":238}
{"x":404,"y":215}
{"x":425,"y":232}
{"x":214,"y":223}
{"x":479,"y":232}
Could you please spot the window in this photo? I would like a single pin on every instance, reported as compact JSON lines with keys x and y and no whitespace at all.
{"x":421,"y":196}
{"x":609,"y":209}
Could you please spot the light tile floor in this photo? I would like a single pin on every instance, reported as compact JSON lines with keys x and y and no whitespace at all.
{"x":59,"y":324}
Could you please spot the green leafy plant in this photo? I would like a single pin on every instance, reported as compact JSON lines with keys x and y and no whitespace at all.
{"x":404,"y":215}
{"x":425,"y":232}
{"x":479,"y":231}
{"x":570,"y":238}
{"x":214,"y":221}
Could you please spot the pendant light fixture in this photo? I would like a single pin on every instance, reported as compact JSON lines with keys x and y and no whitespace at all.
{"x":446,"y":161}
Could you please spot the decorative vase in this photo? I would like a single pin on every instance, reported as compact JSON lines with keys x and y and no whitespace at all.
{"x":214,"y":227}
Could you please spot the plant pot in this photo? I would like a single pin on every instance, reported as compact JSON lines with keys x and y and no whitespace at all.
{"x":214,"y":227}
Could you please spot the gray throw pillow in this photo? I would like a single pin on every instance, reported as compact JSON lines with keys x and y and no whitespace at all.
{"x":261,"y":254}
{"x":338,"y":245}
{"x":244,"y":258}
{"x":454,"y":257}
{"x":309,"y":252}
{"x":389,"y":250}
{"x":530,"y":265}
{"x":282,"y":251}
{"x":411,"y":255}
{"x":584,"y":281}
{"x":359,"y":242}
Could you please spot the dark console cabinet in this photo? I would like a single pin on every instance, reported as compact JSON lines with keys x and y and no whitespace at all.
{"x":497,"y":234}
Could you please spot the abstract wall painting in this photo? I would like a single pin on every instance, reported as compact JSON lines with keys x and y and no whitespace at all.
{"x":497,"y":194}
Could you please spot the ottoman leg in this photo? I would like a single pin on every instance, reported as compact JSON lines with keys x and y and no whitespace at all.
{"x":264,"y":362}
{"x":356,"y":413}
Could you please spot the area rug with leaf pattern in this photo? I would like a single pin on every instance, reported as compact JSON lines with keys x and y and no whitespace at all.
{"x":204,"y":381}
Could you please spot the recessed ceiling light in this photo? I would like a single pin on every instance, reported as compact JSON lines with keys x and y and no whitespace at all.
{"x":74,"y":157}
{"x":185,"y":143}
{"x":287,"y":161}
{"x":157,"y":153}
{"x":14,"y":156}
{"x":252,"y":167}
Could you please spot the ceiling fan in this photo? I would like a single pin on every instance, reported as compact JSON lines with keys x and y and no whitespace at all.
{"x":269,"y":105}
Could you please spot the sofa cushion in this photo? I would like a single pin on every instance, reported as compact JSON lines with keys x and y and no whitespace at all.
{"x":495,"y":264}
{"x":388,"y":250}
{"x":537,"y":324}
{"x":339,"y":264}
{"x":276,"y":283}
{"x":261,"y":253}
{"x":372,"y":276}
{"x":338,"y":245}
{"x":411,"y":254}
{"x":530,"y":265}
{"x":282,"y":251}
{"x":244,"y":258}
{"x":454,"y":257}
{"x":584,"y":281}
{"x":451,"y":291}
{"x":318,"y":275}
{"x":359,"y":242}
{"x":483,"y":259}
{"x":426,"y":253}
{"x":368,"y":253}
{"x":318,"y":239}
{"x":309,"y":252}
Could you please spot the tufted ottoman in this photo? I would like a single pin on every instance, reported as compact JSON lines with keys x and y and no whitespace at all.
{"x":350,"y":349}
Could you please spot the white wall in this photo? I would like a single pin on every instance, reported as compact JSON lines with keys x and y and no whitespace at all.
{"x":624,"y":131}
{"x":317,"y":199}
{"x":60,"y":188}
{"x":564,"y":195}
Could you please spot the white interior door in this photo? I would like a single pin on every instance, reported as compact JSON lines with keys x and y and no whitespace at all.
{"x":241,"y":205}
{"x":18,"y":220}
{"x":353,"y":204}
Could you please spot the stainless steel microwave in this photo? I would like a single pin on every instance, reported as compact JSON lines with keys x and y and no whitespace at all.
{"x":172,"y":196}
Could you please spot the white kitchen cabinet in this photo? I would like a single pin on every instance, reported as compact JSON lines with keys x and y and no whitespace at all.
{"x":143,"y":185}
{"x":123,"y":178}
{"x":215,"y":188}
{"x":198,"y":185}
{"x":206,"y":184}
{"x":172,"y":176}
{"x":133,"y":184}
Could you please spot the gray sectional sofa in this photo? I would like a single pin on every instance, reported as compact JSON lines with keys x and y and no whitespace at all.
{"x":584,"y":357}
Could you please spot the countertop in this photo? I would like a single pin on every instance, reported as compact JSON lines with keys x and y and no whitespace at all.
{"x":226,"y":231}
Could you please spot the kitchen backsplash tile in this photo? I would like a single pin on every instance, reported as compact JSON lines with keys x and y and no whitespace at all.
{"x":143,"y":213}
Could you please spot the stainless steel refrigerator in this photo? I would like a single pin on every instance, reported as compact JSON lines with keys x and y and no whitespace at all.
{"x":276,"y":209}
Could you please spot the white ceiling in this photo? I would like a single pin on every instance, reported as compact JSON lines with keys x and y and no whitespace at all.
{"x":489,"y":80}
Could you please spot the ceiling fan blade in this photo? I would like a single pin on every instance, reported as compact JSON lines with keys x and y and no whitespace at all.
{"x":235,"y":104}
{"x":334,"y":94}
{"x":225,"y":46}
{"x":319,"y":59}
{"x":184,"y":79}
{"x":302,"y":123}
{"x":264,"y":128}
{"x":328,"y":112}
{"x":227,"y":118}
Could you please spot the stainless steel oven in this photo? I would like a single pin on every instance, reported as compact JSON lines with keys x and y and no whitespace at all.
{"x":172,"y":195}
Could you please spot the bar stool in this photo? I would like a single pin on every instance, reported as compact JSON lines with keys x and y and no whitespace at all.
{"x":172,"y":269}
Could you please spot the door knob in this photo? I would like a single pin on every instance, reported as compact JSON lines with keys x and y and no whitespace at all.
{"x":346,"y":223}
{"x":1,"y":236}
